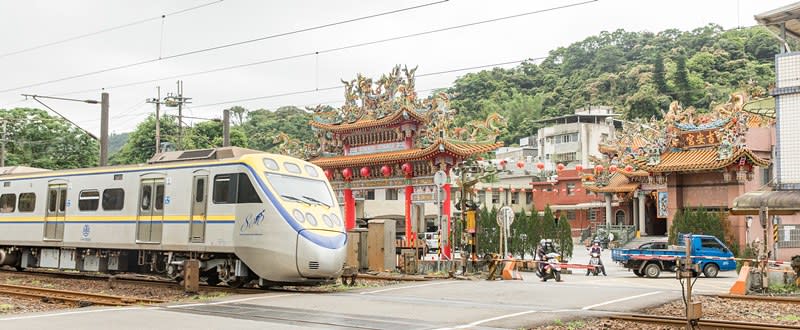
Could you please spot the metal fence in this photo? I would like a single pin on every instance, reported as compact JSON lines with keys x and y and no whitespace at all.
{"x":622,"y":234}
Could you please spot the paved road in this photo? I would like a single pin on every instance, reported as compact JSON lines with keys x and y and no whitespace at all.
{"x":446,"y":304}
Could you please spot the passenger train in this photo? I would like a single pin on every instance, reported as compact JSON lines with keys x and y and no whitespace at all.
{"x":246,"y":215}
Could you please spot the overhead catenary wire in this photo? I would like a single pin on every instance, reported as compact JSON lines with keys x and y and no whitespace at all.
{"x":311,"y":53}
{"x":203,"y":50}
{"x":109,"y":29}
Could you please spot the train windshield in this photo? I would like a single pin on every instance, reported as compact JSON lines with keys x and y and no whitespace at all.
{"x":303,"y":190}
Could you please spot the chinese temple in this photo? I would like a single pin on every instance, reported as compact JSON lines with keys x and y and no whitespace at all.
{"x":385,"y":137}
{"x":687,"y":160}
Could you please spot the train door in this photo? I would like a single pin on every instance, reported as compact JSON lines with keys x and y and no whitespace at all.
{"x":197,"y":229}
{"x":150,"y":218}
{"x":55,"y":213}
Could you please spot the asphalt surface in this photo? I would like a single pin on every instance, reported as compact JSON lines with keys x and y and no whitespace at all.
{"x":445,"y":304}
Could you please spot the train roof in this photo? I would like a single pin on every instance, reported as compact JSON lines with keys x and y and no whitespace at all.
{"x":9,"y":170}
{"x":171,"y":158}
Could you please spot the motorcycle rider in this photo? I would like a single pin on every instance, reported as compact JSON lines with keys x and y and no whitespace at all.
{"x":545,"y":247}
{"x":595,"y":248}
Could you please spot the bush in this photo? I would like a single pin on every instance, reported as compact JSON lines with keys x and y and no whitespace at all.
{"x":700,"y":221}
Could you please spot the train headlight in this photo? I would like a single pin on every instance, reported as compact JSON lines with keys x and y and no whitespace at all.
{"x":327,"y":220}
{"x":311,"y":219}
{"x":298,"y":216}
{"x":336,"y":220}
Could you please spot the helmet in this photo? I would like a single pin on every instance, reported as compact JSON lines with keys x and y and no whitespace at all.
{"x":543,"y":242}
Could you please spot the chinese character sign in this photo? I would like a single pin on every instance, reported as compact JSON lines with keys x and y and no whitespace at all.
{"x":662,"y":204}
{"x":702,"y":138}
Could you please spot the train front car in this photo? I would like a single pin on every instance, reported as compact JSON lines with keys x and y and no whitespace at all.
{"x":297,"y":234}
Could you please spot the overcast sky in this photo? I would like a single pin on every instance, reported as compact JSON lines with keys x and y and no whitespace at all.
{"x":30,"y":23}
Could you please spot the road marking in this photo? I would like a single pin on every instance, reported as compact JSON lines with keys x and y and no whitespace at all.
{"x":231,"y":301}
{"x":69,"y":313}
{"x":620,"y":299}
{"x":408,"y":287}
{"x":479,"y":322}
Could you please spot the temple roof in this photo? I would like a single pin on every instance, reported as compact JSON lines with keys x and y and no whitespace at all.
{"x":455,"y":148}
{"x":700,"y":160}
{"x":371,"y":123}
{"x":617,"y":183}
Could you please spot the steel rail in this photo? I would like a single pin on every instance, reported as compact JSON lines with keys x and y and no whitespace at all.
{"x":74,"y":296}
{"x":776,"y":299}
{"x":702,"y":323}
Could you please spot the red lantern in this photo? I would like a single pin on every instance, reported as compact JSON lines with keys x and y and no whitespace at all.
{"x":598,"y":168}
{"x":520,"y":164}
{"x":560,"y":167}
{"x":329,"y":174}
{"x":501,"y":189}
{"x":612,"y":168}
{"x":628,"y":168}
{"x":540,"y":166}
{"x":513,"y":190}
{"x":489,"y":189}
{"x":386,"y":170}
{"x":347,"y":173}
{"x":503,"y":162}
{"x":365,"y":172}
{"x":407,"y":169}
{"x":533,"y":190}
{"x":579,"y":167}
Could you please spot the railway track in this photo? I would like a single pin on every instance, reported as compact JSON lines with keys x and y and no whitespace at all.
{"x":74,"y":296}
{"x":702,"y":324}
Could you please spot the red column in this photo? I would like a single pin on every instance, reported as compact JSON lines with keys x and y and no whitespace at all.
{"x":446,"y":213}
{"x":409,"y":238}
{"x":349,"y":209}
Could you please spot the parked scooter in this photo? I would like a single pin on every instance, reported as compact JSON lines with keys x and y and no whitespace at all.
{"x":551,"y":268}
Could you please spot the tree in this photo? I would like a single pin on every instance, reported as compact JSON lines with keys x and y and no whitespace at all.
{"x":141,"y":143}
{"x":263,"y":125}
{"x":519,"y":244}
{"x":564,"y":237}
{"x":488,"y":231}
{"x":37,"y":139}
{"x":682,"y":89}
{"x":208,"y":134}
{"x":549,"y":230}
{"x":659,"y":78}
{"x":700,"y":221}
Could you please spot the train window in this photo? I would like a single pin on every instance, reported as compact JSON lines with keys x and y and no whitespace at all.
{"x":89,"y":200}
{"x":159,"y":197}
{"x":147,"y":191}
{"x":113,"y":199}
{"x":271,"y":164}
{"x":311,"y":171}
{"x":200,"y":188}
{"x":51,"y":206}
{"x":8,"y":202}
{"x":27,"y":202}
{"x":294,"y":189}
{"x":291,"y":167}
{"x":246,"y":193}
{"x":63,"y":200}
{"x":223,"y":189}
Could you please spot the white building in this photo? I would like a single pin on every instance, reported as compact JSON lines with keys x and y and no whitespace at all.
{"x":571,"y":139}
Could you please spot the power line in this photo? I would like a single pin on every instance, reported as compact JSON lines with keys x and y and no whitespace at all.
{"x":113,"y":28}
{"x":314,"y":53}
{"x":340,"y":86}
{"x":282,"y":34}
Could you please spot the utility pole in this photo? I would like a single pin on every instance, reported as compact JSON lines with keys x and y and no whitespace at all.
{"x":104,"y":129}
{"x":157,"y":102}
{"x":226,"y":128}
{"x":3,"y":147}
{"x":180,"y":114}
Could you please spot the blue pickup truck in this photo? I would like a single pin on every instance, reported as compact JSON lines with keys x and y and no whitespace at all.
{"x":712,"y":257}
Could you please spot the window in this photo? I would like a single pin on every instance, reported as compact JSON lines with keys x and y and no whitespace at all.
{"x":710,"y":243}
{"x":159,"y":197}
{"x":481,"y":197}
{"x":235,"y":188}
{"x":27,"y":202}
{"x":291,"y":167}
{"x":766,"y":175}
{"x":570,"y":189}
{"x":565,"y":157}
{"x":514,"y":197}
{"x":369,"y":195}
{"x":223,"y":189}
{"x":495,"y":197}
{"x":113,"y":199}
{"x":246,"y":192}
{"x":271,"y":164}
{"x":571,"y":215}
{"x":199,"y":190}
{"x":52,"y":200}
{"x":391,"y":194}
{"x":298,"y":189}
{"x":8,"y":203}
{"x":89,"y":200}
{"x":528,"y":197}
{"x":147,"y":191}
{"x":592,"y":215}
